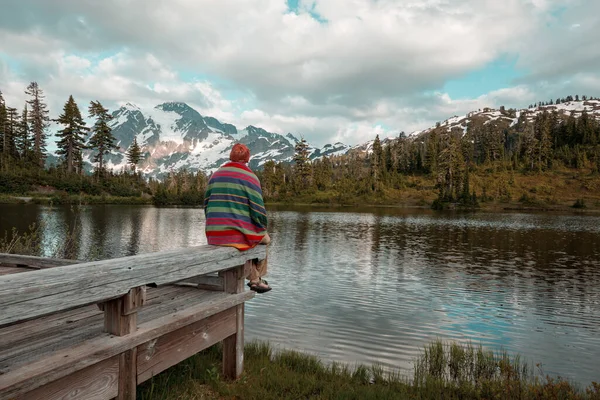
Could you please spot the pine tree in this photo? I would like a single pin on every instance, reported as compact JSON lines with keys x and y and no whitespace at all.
{"x":322,"y":173}
{"x":2,"y":123}
{"x":376,"y":163}
{"x":23,"y":140}
{"x":134,"y":154}
{"x":302,"y":164}
{"x":9,"y":149}
{"x":543,"y":136}
{"x":102,"y":140}
{"x":38,"y":120}
{"x":450,"y":169}
{"x":71,"y":137}
{"x":530,"y":148}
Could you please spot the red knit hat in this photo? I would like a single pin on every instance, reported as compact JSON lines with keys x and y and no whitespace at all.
{"x":239,"y":153}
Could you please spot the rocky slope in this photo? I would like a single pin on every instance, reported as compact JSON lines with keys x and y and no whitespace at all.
{"x":175,"y":136}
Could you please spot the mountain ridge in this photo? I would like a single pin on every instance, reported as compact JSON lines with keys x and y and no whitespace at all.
{"x":173,"y":135}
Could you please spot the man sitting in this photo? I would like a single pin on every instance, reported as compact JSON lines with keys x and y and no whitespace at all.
{"x":235,"y":212}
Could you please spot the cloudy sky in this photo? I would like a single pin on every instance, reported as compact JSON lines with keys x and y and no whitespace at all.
{"x":330,"y":70}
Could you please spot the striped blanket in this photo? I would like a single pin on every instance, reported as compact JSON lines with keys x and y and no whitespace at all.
{"x":234,"y":208}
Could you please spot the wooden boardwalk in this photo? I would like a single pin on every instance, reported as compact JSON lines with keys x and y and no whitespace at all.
{"x":95,"y":330}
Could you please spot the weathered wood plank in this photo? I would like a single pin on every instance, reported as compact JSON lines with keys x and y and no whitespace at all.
{"x":98,"y":382}
{"x":27,"y":332}
{"x":34,"y":262}
{"x":55,"y":340}
{"x":172,"y":299}
{"x":12,"y":337}
{"x":159,"y":354}
{"x":43,"y":292}
{"x":62,"y":363}
{"x":127,"y":375}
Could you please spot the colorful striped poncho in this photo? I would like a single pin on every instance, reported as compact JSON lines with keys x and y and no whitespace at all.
{"x":234,"y":208}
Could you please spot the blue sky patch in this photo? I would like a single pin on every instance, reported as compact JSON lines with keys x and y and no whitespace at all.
{"x":294,"y":6}
{"x":496,"y":75}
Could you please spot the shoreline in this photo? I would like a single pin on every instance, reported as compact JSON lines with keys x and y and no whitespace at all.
{"x":116,"y":200}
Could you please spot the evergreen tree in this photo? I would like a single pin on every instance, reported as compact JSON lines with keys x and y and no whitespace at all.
{"x":9,"y":149}
{"x":24,"y":139}
{"x":432,"y":149}
{"x":543,"y":136}
{"x":302,"y":164}
{"x":38,"y":122}
{"x":323,"y":173}
{"x":450,"y":169}
{"x":3,"y":119}
{"x":71,"y":137}
{"x":134,"y":154}
{"x":376,"y":164}
{"x":102,"y":139}
{"x":530,"y":148}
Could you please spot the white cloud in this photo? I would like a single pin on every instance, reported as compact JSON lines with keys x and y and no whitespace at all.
{"x":362,"y":72}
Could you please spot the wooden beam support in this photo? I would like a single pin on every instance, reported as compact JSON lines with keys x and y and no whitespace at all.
{"x":127,"y":375}
{"x":101,"y":366}
{"x":159,"y":354}
{"x":120,"y":315}
{"x":233,"y":346}
{"x":65,"y":362}
{"x":134,"y":300}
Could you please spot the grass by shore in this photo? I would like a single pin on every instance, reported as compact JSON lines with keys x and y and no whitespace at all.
{"x":442,"y":371}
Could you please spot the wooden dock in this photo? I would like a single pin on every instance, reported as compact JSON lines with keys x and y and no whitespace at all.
{"x":95,"y":330}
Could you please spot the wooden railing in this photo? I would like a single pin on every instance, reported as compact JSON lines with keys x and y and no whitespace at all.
{"x":96,"y":329}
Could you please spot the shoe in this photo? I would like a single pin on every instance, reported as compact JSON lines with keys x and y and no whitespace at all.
{"x":260,"y":287}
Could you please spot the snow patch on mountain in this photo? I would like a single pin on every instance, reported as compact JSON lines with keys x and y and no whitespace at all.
{"x":511,"y":117}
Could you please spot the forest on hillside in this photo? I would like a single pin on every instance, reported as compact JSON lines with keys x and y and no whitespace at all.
{"x":487,"y":160}
{"x":445,"y":162}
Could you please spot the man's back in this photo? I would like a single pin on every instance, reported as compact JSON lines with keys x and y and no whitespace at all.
{"x":234,"y":208}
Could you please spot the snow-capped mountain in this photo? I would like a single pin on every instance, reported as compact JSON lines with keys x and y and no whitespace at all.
{"x":502,"y":117}
{"x":174,"y":136}
{"x":510,"y":118}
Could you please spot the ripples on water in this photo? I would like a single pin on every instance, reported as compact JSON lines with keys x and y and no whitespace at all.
{"x":374,"y":287}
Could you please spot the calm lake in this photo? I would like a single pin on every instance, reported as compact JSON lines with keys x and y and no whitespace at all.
{"x":375,"y":285}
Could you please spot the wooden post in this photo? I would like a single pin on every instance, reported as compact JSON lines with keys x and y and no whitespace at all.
{"x":120,"y":319}
{"x":233,"y":346}
{"x":120,"y":315}
{"x":128,"y":375}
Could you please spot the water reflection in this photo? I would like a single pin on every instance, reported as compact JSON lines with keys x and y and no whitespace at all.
{"x":375,"y":285}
